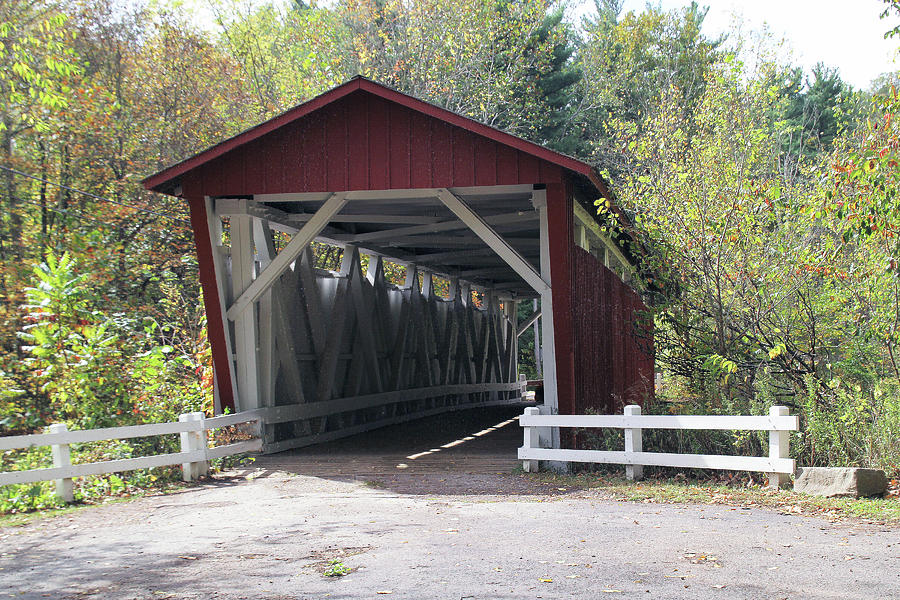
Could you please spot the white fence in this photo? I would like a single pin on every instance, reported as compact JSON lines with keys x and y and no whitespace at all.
{"x":778,"y":423}
{"x":194,"y":456}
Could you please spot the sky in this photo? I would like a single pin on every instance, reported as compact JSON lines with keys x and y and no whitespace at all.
{"x":842,"y":34}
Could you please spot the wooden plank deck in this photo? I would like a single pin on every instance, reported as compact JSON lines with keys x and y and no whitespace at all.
{"x":480,"y":441}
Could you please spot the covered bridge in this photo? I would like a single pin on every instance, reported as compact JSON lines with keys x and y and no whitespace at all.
{"x":478,"y":219}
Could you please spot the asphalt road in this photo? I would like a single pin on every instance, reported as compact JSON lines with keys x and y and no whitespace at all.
{"x":267,"y":533}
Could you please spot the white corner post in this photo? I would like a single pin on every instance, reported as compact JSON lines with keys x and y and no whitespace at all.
{"x":548,"y":344}
{"x":537,"y":340}
{"x":214,"y":222}
{"x":532,"y":440}
{"x":779,"y":447}
{"x":633,"y":444}
{"x":62,"y":458}
{"x":246,"y":334}
{"x":193,"y":441}
{"x":265,"y":252}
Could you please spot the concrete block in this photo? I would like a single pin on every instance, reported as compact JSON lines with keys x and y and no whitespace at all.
{"x":832,"y":482}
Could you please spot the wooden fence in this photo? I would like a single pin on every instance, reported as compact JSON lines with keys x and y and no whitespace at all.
{"x":778,"y":423}
{"x":194,"y":456}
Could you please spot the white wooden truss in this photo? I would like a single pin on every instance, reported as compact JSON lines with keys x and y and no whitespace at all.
{"x":325,"y":354}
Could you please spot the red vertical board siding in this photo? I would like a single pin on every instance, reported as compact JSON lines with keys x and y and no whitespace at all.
{"x":233,"y":172}
{"x":614,"y":365}
{"x":562,"y":242}
{"x":364,"y":142}
{"x":486,"y":161}
{"x":442,"y":155}
{"x":315,"y":160}
{"x":618,"y":343}
{"x":420,"y":151}
{"x":214,"y":178}
{"x":336,"y":153}
{"x":192,"y":185}
{"x":214,"y":318}
{"x":463,"y":158}
{"x":357,"y":143}
{"x":293,"y":165}
{"x":507,"y":166}
{"x":605,"y":329}
{"x":551,"y":173}
{"x":529,"y":168}
{"x":379,"y":176}
{"x":271,"y":183}
{"x":399,"y":147}
{"x":254,"y":167}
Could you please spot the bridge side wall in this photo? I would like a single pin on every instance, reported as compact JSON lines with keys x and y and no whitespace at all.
{"x":353,"y":352}
{"x":613,"y":343}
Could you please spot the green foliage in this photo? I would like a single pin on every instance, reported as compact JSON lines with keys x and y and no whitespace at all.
{"x":633,"y":62}
{"x":854,"y":427}
{"x":36,"y":62}
{"x":28,"y":498}
{"x":504,"y":63}
{"x":75,"y":352}
{"x":336,"y":569}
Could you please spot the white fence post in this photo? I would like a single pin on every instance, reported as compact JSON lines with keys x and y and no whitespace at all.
{"x":531,"y":441}
{"x":191,"y":441}
{"x":62,"y":458}
{"x":633,"y":443}
{"x":779,"y":447}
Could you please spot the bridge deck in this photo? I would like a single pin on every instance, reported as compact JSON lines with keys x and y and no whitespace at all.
{"x":481,"y":440}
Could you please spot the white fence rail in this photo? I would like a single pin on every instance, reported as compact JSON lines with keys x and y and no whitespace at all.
{"x":194,"y":456}
{"x":778,"y":423}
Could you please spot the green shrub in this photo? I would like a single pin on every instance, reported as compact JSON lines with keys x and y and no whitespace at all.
{"x":852,"y":426}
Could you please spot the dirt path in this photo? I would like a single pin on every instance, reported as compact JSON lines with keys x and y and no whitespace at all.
{"x":421,"y":534}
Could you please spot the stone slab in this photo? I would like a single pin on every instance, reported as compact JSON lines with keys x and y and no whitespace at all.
{"x":832,"y":482}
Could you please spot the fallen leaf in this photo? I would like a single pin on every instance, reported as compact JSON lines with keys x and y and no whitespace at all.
{"x":188,"y":557}
{"x":384,"y":592}
{"x":545,"y":580}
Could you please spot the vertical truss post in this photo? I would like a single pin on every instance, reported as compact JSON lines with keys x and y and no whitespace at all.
{"x":245,"y":323}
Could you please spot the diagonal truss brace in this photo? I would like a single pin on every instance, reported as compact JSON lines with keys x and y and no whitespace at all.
{"x":289,"y":254}
{"x":495,"y":242}
{"x":528,"y":323}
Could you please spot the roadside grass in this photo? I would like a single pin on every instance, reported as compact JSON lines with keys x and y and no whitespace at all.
{"x":738,"y":492}
{"x":24,"y":518}
{"x":23,"y":503}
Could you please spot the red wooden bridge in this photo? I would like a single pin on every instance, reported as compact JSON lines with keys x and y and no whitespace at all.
{"x":493,"y":218}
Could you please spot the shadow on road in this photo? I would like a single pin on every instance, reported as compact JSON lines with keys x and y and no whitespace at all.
{"x":465,"y":452}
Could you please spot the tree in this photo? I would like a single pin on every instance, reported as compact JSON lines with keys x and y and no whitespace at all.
{"x":504,"y":63}
{"x":35,"y":66}
{"x":755,"y":277}
{"x":813,"y":113}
